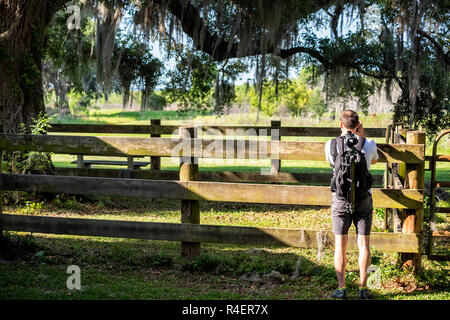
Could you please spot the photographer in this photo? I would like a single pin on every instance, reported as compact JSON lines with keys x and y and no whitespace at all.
{"x":351,"y":146}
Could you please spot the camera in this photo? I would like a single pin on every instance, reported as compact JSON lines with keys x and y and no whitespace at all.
{"x":351,"y":140}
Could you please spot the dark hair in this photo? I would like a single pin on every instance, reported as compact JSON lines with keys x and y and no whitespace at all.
{"x":349,"y":119}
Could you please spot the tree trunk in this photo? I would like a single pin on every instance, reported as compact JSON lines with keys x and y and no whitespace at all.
{"x":23,"y":28}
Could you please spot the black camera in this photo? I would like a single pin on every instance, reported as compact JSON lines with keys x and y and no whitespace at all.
{"x":351,"y":140}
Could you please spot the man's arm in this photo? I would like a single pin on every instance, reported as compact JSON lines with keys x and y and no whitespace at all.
{"x":375,"y":153}
{"x":327,"y":152}
{"x":362,"y":134}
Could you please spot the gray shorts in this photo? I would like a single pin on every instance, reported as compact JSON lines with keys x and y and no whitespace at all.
{"x":362,"y":218}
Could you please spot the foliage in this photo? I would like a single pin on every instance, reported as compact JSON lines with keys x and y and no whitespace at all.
{"x":32,"y":161}
{"x":157,"y":101}
{"x":380,"y":212}
{"x":69,"y":62}
{"x":32,"y":207}
{"x":293,"y":95}
{"x":316,"y":104}
{"x":224,"y":89}
{"x":268,"y":102}
{"x":296,"y":96}
{"x":192,"y":81}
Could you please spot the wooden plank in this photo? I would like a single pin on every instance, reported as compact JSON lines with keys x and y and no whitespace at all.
{"x":119,"y":173}
{"x":89,"y":145}
{"x":288,"y":194}
{"x":285,"y":131}
{"x":198,"y":190}
{"x":231,"y":149}
{"x":327,"y":132}
{"x":397,"y":222}
{"x":399,"y":138}
{"x":158,"y":129}
{"x":149,"y":189}
{"x":442,"y":184}
{"x":115,"y":163}
{"x":439,"y":158}
{"x":396,"y":180}
{"x":218,"y":176}
{"x":442,"y":210}
{"x":201,"y":233}
{"x":110,"y":128}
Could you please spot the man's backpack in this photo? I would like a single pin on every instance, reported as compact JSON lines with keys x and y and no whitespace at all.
{"x":341,"y":179}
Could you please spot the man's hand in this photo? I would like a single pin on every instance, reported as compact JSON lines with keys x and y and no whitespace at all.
{"x":360,"y":130}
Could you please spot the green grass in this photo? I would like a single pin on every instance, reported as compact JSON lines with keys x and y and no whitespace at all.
{"x":34,"y":266}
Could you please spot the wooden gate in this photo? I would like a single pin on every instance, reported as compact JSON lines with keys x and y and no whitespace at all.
{"x":438,"y":240}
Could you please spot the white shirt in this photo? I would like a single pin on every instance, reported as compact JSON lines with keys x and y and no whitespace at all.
{"x":369,"y":149}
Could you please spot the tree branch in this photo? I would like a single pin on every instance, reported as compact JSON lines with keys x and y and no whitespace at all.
{"x":437,"y":46}
{"x":214,"y":45}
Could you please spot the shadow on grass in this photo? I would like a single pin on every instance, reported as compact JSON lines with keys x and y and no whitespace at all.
{"x":221,"y":271}
{"x":34,"y":267}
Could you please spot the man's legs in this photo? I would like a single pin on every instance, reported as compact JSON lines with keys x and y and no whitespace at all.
{"x":364,"y":259}
{"x":341,"y":223}
{"x":340,"y":259}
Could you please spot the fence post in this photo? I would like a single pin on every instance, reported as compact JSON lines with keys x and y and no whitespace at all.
{"x":402,"y":166}
{"x":413,"y":219}
{"x":80,"y":161}
{"x":130,"y":162}
{"x":275,"y":166}
{"x":155,"y":162}
{"x":387,"y":178}
{"x":190,"y":209}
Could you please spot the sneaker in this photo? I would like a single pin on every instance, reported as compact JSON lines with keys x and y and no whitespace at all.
{"x":339,"y":294}
{"x":363,"y":293}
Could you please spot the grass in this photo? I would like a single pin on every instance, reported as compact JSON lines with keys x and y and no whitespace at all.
{"x":33,"y":266}
{"x":141,"y":269}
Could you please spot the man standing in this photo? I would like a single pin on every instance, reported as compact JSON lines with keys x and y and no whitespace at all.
{"x":342,"y":217}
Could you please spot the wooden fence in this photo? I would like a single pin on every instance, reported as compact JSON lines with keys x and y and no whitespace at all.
{"x":190,"y":191}
{"x":155,"y":129}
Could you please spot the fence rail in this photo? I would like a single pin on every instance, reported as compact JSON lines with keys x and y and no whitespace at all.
{"x":212,"y":130}
{"x":200,"y":148}
{"x":200,"y":190}
{"x":222,"y":176}
{"x":201,"y":233}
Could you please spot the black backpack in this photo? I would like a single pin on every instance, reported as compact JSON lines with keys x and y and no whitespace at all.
{"x":341,"y":179}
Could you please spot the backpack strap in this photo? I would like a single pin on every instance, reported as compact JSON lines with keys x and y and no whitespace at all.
{"x":360,"y":143}
{"x":339,"y":141}
{"x":333,"y":150}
